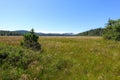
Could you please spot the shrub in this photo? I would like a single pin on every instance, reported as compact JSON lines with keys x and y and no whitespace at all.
{"x":112,"y":30}
{"x":17,"y":57}
{"x":31,"y":41}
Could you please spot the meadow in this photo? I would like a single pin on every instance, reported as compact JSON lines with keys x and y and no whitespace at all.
{"x":61,"y":58}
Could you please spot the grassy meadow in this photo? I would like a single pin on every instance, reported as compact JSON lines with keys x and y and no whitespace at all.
{"x":61,"y":58}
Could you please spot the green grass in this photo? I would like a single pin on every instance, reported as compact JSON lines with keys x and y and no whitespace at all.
{"x":61,"y":58}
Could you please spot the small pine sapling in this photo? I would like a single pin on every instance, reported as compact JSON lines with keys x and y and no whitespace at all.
{"x":31,"y":41}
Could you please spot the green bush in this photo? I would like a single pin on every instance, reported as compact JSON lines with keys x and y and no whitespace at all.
{"x":15,"y":61}
{"x":112,"y":30}
{"x":31,"y":41}
{"x":17,"y":57}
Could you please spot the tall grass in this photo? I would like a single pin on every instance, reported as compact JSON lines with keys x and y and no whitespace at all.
{"x":63,"y":58}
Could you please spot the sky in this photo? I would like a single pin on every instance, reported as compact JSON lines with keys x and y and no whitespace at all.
{"x":57,"y":16}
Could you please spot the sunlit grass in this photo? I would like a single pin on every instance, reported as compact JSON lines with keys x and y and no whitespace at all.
{"x":71,"y":58}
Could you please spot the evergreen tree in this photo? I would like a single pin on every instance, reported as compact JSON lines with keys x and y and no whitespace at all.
{"x":112,"y":30}
{"x":31,"y":41}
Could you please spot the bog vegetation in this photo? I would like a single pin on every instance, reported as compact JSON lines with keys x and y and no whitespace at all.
{"x":61,"y":58}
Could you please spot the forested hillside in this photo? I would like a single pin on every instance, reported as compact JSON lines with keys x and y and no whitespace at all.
{"x":92,"y":32}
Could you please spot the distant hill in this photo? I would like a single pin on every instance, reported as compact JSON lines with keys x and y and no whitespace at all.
{"x":56,"y":34}
{"x":22,"y":32}
{"x":45,"y":34}
{"x":92,"y":32}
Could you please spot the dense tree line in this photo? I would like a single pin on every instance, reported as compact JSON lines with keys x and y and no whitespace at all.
{"x":9,"y":33}
{"x":93,"y":32}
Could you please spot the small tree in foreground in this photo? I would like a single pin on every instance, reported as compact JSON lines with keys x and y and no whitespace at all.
{"x":112,"y":30}
{"x":31,"y":41}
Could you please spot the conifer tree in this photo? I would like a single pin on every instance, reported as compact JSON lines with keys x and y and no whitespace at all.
{"x":31,"y":41}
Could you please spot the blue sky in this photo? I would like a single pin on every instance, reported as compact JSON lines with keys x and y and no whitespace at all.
{"x":57,"y":16}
